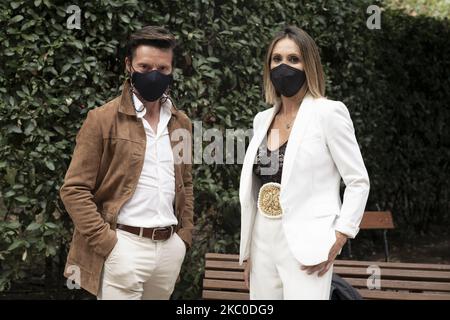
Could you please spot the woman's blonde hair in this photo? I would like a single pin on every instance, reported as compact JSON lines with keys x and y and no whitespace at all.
{"x":311,"y":61}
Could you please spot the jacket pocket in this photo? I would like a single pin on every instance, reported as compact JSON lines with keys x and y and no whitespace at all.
{"x":110,"y":218}
{"x":325,"y":210}
{"x":80,"y":253}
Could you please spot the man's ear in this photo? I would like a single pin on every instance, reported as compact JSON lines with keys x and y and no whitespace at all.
{"x":128,"y":64}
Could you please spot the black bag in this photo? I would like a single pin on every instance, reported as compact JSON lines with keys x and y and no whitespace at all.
{"x":342,"y":290}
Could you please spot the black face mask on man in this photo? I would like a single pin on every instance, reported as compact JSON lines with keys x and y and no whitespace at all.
{"x":151,"y":85}
{"x":287,"y":80}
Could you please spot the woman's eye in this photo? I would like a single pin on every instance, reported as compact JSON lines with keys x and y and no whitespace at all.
{"x":294,"y":59}
{"x":276,"y":59}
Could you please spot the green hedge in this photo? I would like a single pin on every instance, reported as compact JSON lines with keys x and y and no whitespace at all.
{"x":393,"y":81}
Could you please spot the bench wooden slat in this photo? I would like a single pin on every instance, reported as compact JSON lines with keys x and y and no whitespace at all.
{"x":226,"y":275}
{"x":397,"y":274}
{"x":222,"y":256}
{"x":216,"y":279}
{"x":225,"y":295}
{"x":391,"y":265}
{"x":224,"y":284}
{"x":365,"y":294}
{"x":394,"y":295}
{"x":416,"y":268}
{"x":402,"y":285}
{"x":357,"y":283}
{"x":430,"y":275}
{"x":223,"y":265}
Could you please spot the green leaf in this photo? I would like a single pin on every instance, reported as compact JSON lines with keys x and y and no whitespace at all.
{"x":51,"y":225}
{"x":22,"y":199}
{"x":51,"y":251}
{"x":50,"y":165}
{"x":29,"y":129}
{"x":60,"y":130}
{"x":212,"y":59}
{"x":11,"y":174}
{"x":49,"y":232}
{"x":38,"y":188}
{"x":14,"y":225}
{"x":16,"y":19}
{"x":78,"y":44}
{"x":33,"y":226}
{"x":9,"y":194}
{"x":65,"y":68}
{"x":125,"y":18}
{"x":13,"y":128}
{"x":16,"y":244}
{"x":64,"y":109}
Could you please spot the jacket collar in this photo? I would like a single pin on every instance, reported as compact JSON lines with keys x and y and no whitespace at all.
{"x":126,"y":103}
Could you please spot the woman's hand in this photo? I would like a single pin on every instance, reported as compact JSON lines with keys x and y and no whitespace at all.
{"x":247,"y":273}
{"x":323,"y":267}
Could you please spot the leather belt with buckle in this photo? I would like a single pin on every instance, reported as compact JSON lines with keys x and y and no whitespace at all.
{"x":156,"y":234}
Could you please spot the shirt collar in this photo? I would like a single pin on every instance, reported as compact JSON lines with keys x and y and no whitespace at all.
{"x":141,"y":110}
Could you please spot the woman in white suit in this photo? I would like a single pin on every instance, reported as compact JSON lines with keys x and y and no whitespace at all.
{"x":293,"y":222}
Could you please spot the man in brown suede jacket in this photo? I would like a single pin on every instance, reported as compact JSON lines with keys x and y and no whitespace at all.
{"x":128,"y":188}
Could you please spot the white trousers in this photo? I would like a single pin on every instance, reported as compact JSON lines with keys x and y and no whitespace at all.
{"x":140,"y":268}
{"x":275,"y":274}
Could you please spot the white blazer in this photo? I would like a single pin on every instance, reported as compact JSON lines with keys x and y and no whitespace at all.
{"x":321,"y":149}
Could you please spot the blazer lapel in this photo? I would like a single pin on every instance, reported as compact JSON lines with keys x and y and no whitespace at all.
{"x":258,"y":136}
{"x":262,"y":131}
{"x":301,"y":122}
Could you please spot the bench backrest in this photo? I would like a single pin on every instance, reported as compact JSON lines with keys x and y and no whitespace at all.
{"x":377,"y":220}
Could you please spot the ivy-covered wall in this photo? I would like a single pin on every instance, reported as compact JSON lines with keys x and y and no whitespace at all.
{"x":394,"y":80}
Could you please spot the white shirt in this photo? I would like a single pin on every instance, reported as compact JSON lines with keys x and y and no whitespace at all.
{"x":151,"y":205}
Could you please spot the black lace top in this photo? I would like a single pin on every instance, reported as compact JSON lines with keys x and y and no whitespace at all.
{"x":269,"y":164}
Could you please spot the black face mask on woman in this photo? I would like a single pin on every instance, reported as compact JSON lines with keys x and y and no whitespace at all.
{"x":151,"y":85}
{"x":287,"y":80}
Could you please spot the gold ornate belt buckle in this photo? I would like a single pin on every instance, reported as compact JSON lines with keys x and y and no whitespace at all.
{"x":269,"y":200}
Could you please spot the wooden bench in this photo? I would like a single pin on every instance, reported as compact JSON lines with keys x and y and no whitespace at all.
{"x":224,"y":279}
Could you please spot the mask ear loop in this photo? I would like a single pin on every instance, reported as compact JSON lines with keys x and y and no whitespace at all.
{"x":165,"y":96}
{"x":133,"y":91}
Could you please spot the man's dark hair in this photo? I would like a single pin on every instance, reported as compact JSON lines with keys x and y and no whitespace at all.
{"x":154,"y":36}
